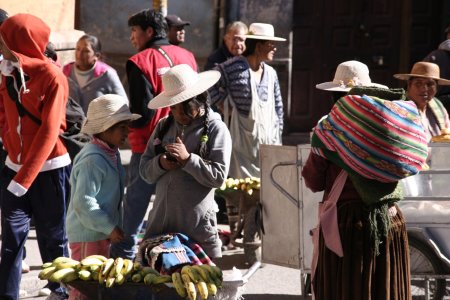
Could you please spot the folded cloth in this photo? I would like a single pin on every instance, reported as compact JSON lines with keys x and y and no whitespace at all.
{"x":386,"y":94}
{"x":168,"y":253}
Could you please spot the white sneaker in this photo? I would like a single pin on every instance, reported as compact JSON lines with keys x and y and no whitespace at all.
{"x":44,"y":292}
{"x":23,"y":294}
{"x":25,"y":267}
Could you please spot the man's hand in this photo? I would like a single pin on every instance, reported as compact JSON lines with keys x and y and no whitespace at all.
{"x":178,"y":151}
{"x":116,"y":235}
{"x":168,"y":164}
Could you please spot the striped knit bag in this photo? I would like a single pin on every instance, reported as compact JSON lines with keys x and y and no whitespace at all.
{"x":377,"y":139}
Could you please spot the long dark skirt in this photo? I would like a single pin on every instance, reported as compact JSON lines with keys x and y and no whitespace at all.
{"x":360,"y":274}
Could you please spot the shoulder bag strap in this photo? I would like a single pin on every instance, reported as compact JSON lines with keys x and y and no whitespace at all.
{"x":166,"y":56}
{"x":14,"y":96}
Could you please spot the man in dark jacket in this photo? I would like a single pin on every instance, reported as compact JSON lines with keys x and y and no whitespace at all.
{"x":233,"y":45}
{"x":144,"y":71}
{"x":441,"y":57}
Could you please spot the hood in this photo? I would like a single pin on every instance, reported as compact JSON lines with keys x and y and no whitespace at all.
{"x":445,"y":45}
{"x":25,"y":35}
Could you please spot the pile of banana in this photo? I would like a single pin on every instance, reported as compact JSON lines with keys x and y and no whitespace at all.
{"x":108,"y":271}
{"x":248,"y":184}
{"x":205,"y":279}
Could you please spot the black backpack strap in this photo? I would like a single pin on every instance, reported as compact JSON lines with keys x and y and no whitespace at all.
{"x":12,"y":92}
{"x":166,"y":56}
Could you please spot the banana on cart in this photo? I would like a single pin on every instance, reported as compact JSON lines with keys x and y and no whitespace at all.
{"x":443,"y":137}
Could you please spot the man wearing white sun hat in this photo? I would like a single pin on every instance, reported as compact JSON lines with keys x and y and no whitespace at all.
{"x":188,"y":157}
{"x":249,"y":96}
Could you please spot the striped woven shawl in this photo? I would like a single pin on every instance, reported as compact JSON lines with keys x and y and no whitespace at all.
{"x":377,"y":139}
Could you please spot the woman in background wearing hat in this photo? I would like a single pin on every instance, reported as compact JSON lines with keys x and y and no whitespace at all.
{"x":188,"y":157}
{"x":359,"y":153}
{"x":97,"y":180}
{"x":248,"y":95}
{"x":422,"y":85}
{"x":421,"y":88}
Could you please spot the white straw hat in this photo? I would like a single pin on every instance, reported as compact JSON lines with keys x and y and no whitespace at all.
{"x":262,"y":31}
{"x":182,"y":83}
{"x":106,"y":111}
{"x":424,"y":70}
{"x":349,"y":74}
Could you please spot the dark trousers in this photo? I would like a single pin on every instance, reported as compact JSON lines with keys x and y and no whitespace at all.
{"x":46,"y":201}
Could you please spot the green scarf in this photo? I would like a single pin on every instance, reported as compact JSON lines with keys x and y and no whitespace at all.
{"x":376,"y":196}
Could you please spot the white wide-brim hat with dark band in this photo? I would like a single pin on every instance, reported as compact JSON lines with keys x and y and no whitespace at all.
{"x":348,"y":75}
{"x":106,"y":111}
{"x":262,"y":31}
{"x":181,"y":83}
{"x":423,"y":69}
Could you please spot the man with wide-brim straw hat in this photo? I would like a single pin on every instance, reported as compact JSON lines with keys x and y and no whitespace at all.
{"x":248,"y":94}
{"x":188,"y":157}
{"x":421,"y":88}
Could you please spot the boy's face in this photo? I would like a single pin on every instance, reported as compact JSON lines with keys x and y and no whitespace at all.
{"x":116,"y":135}
{"x":4,"y":50}
{"x":140,"y":37}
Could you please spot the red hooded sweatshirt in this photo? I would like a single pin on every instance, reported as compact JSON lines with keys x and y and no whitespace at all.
{"x":32,"y":148}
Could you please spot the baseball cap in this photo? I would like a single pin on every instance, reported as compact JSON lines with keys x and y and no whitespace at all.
{"x":174,"y":20}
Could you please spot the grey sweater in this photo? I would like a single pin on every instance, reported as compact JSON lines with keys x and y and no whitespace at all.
{"x":184,"y":199}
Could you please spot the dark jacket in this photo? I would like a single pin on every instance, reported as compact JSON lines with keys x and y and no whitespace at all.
{"x":441,"y":57}
{"x":217,"y":57}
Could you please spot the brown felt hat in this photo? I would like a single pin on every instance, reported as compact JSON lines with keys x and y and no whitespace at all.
{"x":424,"y":70}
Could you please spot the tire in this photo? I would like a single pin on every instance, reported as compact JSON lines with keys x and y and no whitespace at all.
{"x":424,"y":261}
{"x":252,"y":237}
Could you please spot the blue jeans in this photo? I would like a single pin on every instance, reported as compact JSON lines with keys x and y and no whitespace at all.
{"x":46,"y":201}
{"x":135,"y":207}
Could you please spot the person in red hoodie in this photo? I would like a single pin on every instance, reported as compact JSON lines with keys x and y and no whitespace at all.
{"x":35,"y":181}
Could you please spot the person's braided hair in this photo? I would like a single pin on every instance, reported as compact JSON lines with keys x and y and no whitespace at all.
{"x":197,"y":102}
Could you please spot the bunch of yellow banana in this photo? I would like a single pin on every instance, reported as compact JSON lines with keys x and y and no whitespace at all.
{"x":115,"y":271}
{"x":61,"y":269}
{"x":248,"y":184}
{"x":203,"y":279}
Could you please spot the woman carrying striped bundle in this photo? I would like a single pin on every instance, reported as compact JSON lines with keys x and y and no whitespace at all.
{"x":360,"y":151}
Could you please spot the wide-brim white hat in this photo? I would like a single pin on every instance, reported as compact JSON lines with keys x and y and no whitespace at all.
{"x":106,"y":111}
{"x":262,"y":31}
{"x":424,"y":70}
{"x":182,"y":83}
{"x":348,"y":75}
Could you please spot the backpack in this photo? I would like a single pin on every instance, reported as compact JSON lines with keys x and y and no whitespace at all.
{"x":72,"y":138}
